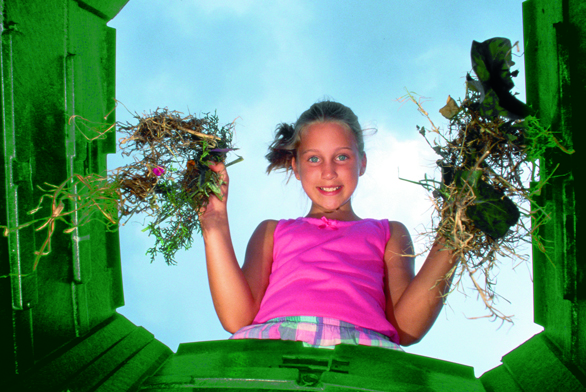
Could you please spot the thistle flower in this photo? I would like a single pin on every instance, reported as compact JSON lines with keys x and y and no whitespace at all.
{"x":158,"y":171}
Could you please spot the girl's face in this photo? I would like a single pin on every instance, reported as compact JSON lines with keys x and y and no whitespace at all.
{"x":328,"y":164}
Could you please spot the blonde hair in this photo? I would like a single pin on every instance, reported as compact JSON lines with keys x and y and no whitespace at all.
{"x":288,"y":136}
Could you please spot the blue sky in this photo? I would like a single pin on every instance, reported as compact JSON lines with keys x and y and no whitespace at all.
{"x":265,"y":62}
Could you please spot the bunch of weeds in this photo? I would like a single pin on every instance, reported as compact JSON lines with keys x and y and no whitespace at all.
{"x":484,"y":204}
{"x":169,"y":180}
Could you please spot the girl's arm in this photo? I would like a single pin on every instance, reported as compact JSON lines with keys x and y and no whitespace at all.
{"x":234,"y":301}
{"x":414,"y":306}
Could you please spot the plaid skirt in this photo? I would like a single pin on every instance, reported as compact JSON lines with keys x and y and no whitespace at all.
{"x":320,"y":332}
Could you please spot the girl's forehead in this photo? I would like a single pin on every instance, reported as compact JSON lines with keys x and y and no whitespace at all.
{"x":328,"y":133}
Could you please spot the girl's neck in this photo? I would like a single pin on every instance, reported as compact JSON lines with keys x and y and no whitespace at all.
{"x":341,"y":214}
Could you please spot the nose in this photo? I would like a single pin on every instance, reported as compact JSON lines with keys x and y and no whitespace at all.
{"x":328,"y":172}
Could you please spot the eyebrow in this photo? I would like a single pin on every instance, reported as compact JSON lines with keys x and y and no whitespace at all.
{"x":315,"y":150}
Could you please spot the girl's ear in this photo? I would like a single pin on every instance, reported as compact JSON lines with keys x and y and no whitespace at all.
{"x":294,"y":167}
{"x":363,"y":164}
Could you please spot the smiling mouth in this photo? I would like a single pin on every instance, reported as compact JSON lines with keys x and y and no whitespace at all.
{"x":330,"y":189}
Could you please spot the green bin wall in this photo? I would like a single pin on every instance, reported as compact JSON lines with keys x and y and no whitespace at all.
{"x":57,"y":60}
{"x":59,"y":327}
{"x":555,"y":57}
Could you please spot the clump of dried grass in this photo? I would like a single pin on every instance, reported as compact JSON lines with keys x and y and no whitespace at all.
{"x":170,"y":180}
{"x":75,"y":202}
{"x":484,"y":202}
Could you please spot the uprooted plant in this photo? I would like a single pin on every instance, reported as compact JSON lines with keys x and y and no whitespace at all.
{"x":170,"y":181}
{"x":484,"y":204}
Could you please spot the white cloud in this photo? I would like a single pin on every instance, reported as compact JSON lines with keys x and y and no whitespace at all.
{"x":381,"y":194}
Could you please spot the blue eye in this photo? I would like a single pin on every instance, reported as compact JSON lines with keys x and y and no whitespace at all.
{"x":343,"y":157}
{"x":313,"y":159}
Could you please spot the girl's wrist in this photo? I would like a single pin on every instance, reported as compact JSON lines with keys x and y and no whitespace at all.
{"x":211,"y":225}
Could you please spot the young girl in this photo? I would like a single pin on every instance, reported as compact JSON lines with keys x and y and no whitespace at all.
{"x":329,"y":277}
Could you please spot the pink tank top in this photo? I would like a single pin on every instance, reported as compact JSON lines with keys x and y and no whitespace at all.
{"x":329,"y":268}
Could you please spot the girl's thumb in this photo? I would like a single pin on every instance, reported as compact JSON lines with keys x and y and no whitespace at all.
{"x":215,"y":166}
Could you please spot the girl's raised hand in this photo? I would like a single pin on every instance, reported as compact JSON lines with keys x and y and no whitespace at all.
{"x":216,"y":212}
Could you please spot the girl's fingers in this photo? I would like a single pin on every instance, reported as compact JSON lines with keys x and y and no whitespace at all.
{"x":219,"y":167}
{"x":215,"y":203}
